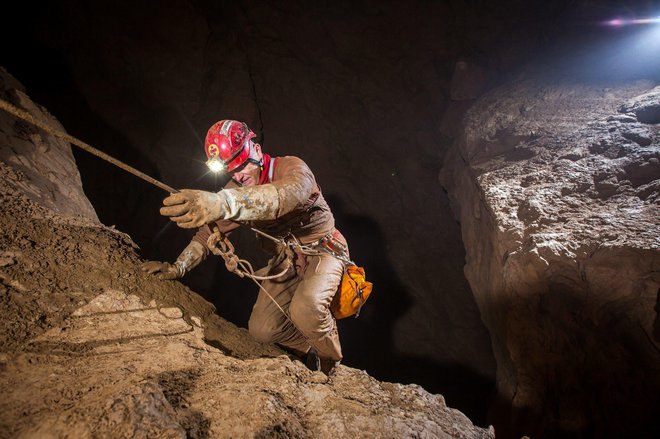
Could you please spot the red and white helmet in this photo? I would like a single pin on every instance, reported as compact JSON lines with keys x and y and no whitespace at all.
{"x":227,"y":145}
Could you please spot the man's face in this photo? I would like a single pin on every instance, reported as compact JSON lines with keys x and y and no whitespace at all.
{"x":248,"y":176}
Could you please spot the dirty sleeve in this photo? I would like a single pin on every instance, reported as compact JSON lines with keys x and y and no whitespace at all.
{"x":290,"y":189}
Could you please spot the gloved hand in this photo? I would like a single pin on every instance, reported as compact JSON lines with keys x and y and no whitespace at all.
{"x":190,"y":257}
{"x":192,"y":208}
{"x":162,"y":270}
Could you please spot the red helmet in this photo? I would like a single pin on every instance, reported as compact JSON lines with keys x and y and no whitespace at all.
{"x":227,"y":145}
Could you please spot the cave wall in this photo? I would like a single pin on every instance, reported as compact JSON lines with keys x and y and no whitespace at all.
{"x":45,"y":164}
{"x":556,"y":181}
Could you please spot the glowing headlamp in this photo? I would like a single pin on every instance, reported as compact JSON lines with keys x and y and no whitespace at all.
{"x":216,"y":165}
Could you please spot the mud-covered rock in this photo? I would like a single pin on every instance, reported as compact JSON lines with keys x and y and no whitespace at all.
{"x":555,"y":184}
{"x":107,"y":351}
{"x":46,"y":169}
{"x":646,"y":106}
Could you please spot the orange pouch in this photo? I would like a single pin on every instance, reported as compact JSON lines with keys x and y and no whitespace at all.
{"x":353,"y":291}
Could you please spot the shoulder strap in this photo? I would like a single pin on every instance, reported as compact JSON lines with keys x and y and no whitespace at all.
{"x":271,"y":169}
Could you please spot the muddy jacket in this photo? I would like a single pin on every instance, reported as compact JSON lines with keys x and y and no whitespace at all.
{"x":287,"y":200}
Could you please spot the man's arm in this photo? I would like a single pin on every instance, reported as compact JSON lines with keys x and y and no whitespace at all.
{"x":193,"y":208}
{"x":190,"y":257}
{"x":193,"y":255}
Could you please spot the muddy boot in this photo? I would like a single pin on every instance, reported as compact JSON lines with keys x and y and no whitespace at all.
{"x":328,"y":366}
{"x":312,"y":360}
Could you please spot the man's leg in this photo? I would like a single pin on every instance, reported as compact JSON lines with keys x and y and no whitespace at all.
{"x":310,"y":306}
{"x":267,"y":322}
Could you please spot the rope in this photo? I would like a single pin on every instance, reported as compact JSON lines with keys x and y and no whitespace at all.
{"x":219,"y":245}
{"x":27,"y":117}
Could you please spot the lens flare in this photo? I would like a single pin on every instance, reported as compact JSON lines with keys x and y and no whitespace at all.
{"x":646,"y":20}
{"x":619,"y":22}
{"x":215,"y":165}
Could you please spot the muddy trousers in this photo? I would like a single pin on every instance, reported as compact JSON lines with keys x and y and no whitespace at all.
{"x":306,"y":297}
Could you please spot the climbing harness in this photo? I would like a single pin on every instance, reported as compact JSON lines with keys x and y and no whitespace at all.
{"x":219,"y":245}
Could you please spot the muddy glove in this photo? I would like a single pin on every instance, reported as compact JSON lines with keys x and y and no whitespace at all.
{"x":162,"y":270}
{"x":189,"y":258}
{"x":192,"y":208}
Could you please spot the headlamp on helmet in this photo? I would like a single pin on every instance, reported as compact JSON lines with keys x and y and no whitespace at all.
{"x":227,"y":145}
{"x":216,"y":165}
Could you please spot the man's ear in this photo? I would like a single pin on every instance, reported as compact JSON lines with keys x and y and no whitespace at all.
{"x":257,"y":153}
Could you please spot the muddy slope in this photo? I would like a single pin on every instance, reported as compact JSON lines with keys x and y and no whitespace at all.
{"x":92,"y":347}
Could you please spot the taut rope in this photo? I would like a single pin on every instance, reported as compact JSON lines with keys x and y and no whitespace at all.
{"x":27,"y":117}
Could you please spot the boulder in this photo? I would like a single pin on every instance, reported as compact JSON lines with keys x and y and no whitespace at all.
{"x":45,"y":168}
{"x":556,"y":186}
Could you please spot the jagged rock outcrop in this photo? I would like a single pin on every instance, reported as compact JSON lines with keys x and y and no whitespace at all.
{"x":46,"y":170}
{"x":92,"y":347}
{"x":556,"y":186}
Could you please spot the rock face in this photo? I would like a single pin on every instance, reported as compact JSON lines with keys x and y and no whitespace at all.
{"x":92,"y":347}
{"x":556,"y":186}
{"x":44,"y":164}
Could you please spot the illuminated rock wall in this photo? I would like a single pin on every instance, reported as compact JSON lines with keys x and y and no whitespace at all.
{"x":556,"y":184}
{"x":45,"y":165}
